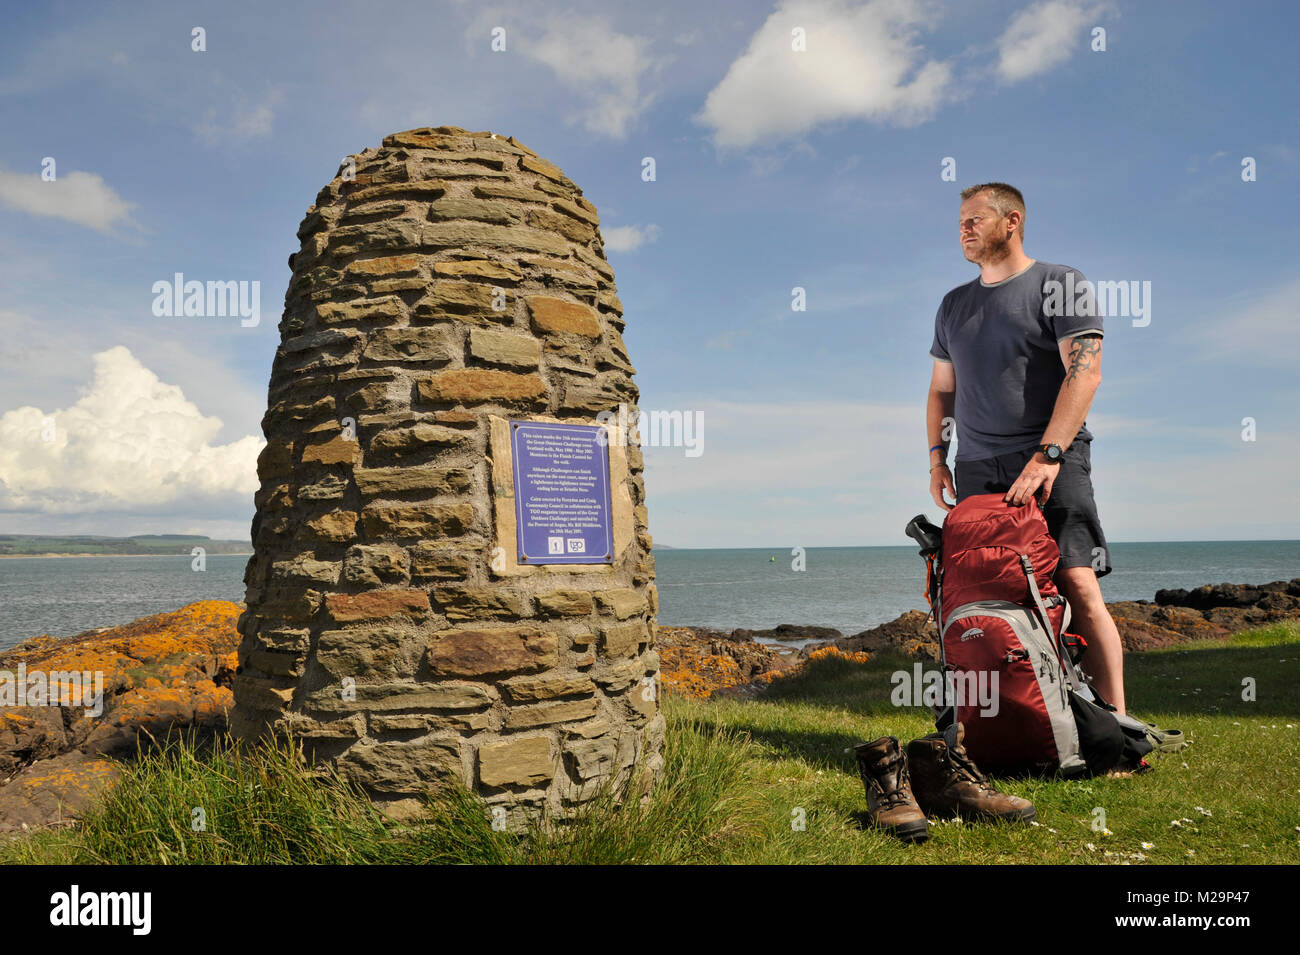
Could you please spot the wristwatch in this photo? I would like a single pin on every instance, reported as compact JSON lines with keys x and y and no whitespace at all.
{"x":1052,"y":452}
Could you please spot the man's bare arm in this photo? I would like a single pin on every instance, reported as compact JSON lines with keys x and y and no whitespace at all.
{"x":1082,"y":359}
{"x":943,"y":393}
{"x":939,"y":405}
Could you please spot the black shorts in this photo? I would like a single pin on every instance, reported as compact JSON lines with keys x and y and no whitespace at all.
{"x":1071,"y":511}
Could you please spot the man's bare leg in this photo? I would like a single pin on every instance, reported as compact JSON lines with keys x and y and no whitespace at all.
{"x":1091,"y":620}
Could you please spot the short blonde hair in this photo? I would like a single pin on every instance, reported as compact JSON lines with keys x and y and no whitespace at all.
{"x":1003,"y":198}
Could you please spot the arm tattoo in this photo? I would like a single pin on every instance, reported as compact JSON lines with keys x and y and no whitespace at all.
{"x":1084,"y":352}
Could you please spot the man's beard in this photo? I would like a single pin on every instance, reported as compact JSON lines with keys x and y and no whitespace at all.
{"x":989,"y":251}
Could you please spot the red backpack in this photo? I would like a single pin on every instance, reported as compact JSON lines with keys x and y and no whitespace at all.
{"x":1010,"y":664}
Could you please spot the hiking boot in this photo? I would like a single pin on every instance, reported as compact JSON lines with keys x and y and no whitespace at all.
{"x":948,"y":783}
{"x":890,"y":804}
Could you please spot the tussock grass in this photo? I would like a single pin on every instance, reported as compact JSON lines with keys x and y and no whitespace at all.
{"x":209,"y":801}
{"x":196,"y":801}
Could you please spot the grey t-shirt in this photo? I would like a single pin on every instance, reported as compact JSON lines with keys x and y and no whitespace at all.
{"x":1003,"y":342}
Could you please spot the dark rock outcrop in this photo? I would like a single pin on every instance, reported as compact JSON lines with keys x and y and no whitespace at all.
{"x":1176,"y":616}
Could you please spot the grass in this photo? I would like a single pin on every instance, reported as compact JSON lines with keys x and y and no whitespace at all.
{"x":770,"y":780}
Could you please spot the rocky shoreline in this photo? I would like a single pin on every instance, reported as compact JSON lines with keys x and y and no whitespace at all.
{"x":170,"y":670}
{"x":173,"y":671}
{"x":703,"y":661}
{"x":1175,"y":616}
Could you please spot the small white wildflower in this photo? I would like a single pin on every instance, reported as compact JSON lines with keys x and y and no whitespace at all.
{"x":1107,"y":832}
{"x":1148,"y":845}
{"x":1051,"y":830}
{"x":1177,"y":823}
{"x":1191,"y":852}
{"x":1091,"y":848}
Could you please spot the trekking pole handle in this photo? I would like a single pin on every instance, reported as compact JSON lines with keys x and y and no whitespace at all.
{"x":924,"y":533}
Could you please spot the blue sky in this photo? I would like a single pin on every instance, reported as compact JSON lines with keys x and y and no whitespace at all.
{"x":775,"y":169}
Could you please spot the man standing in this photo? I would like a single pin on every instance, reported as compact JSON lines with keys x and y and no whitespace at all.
{"x":1017,"y":360}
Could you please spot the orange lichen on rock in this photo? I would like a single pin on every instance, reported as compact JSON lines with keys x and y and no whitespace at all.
{"x":159,"y":673}
{"x":206,"y":628}
{"x":703,"y":664}
{"x":700,"y":664}
{"x":690,"y":671}
{"x":855,"y":656}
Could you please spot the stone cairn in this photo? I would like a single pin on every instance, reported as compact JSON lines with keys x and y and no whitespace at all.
{"x":446,"y":282}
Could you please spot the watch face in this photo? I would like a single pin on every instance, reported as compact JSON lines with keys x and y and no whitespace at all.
{"x":1054,"y":452}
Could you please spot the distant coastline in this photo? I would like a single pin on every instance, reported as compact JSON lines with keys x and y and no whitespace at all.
{"x":144,"y":554}
{"x":137,"y":545}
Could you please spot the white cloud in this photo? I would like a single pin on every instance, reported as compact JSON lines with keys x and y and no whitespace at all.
{"x":804,"y":453}
{"x":1127,"y":427}
{"x":627,"y":238}
{"x":826,"y":473}
{"x":80,"y":197}
{"x":860,"y":64}
{"x":1229,"y":491}
{"x":1041,"y":37}
{"x":1262,"y":330}
{"x":820,"y":444}
{"x":131,"y":442}
{"x":605,"y":68}
{"x":245,"y":120}
{"x":144,"y":58}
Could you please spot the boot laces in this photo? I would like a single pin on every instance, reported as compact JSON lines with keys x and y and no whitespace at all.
{"x":895,"y":769}
{"x":966,"y":766}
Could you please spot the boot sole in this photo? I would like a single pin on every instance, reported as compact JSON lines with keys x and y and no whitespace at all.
{"x":1028,"y":814}
{"x":908,"y":831}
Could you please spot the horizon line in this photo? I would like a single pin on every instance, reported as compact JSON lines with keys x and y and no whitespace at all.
{"x":1223,"y":540}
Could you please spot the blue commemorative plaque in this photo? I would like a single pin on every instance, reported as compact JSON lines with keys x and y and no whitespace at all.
{"x":562,"y":502}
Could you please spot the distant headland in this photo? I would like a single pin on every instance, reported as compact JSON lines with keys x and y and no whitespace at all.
{"x":94,"y":545}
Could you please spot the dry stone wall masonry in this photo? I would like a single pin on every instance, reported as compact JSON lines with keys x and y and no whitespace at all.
{"x":447,"y":283}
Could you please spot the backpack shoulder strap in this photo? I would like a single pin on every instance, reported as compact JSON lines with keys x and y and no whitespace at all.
{"x":1047,"y":622}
